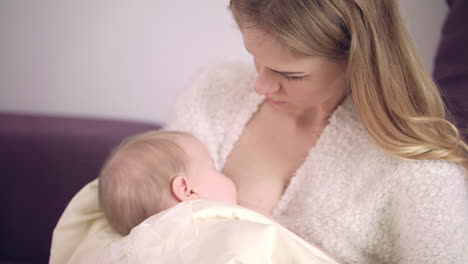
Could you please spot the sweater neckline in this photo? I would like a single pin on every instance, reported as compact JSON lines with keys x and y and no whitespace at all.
{"x":343,"y":115}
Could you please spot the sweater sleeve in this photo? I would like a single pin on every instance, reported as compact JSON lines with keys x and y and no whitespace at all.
{"x":186,"y":112}
{"x":190,"y":112}
{"x":206,"y":109}
{"x":431,"y":215}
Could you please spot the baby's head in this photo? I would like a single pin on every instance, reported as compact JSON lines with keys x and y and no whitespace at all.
{"x":154,"y":171}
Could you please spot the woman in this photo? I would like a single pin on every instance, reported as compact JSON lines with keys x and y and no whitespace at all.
{"x":348,"y":144}
{"x":339,"y":133}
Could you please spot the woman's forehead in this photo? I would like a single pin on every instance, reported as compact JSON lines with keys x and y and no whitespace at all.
{"x":271,"y":53}
{"x":256,"y":39}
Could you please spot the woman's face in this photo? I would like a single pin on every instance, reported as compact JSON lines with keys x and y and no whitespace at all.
{"x":290,"y":82}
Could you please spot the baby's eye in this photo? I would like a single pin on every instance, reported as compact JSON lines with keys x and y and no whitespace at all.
{"x":292,"y":78}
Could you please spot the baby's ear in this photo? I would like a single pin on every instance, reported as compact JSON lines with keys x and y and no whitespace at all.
{"x":182,"y":189}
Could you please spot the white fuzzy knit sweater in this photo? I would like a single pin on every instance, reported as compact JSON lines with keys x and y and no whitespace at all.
{"x":356,"y":202}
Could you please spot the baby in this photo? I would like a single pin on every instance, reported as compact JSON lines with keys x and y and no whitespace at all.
{"x":154,"y":171}
{"x":160,"y":170}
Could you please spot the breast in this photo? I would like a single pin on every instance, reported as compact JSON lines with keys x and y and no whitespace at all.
{"x":262,"y":166}
{"x":259,"y":185}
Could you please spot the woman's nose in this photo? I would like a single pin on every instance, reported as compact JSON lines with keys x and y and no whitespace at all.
{"x":265,"y":83}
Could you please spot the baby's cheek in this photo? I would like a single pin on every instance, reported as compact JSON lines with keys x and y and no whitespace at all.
{"x":225,"y":191}
{"x":232,"y":192}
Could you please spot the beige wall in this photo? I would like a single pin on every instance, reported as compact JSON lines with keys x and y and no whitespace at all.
{"x":129,"y":59}
{"x":424,"y":19}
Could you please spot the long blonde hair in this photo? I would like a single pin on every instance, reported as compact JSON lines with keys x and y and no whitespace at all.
{"x":397,"y":101}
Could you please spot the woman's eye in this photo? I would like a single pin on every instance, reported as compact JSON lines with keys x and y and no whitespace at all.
{"x":293,"y":78}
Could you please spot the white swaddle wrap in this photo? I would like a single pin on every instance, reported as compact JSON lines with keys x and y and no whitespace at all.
{"x":191,"y":232}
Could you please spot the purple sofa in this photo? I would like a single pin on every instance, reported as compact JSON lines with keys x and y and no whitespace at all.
{"x":451,"y":63}
{"x":44,"y":161}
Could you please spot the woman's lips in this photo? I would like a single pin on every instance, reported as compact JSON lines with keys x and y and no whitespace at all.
{"x":275,"y":102}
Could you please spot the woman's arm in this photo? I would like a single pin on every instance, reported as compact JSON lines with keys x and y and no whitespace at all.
{"x":431,"y":215}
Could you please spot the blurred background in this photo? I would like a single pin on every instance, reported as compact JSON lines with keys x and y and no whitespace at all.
{"x":129,"y":59}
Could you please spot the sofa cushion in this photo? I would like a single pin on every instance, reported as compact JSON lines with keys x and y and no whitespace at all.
{"x":451,"y":63}
{"x":44,"y":161}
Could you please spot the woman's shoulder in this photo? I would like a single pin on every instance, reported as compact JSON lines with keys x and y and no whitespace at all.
{"x":219,"y":95}
{"x":215,"y":88}
{"x":400,"y":174}
{"x":358,"y":145}
{"x":421,"y":180}
{"x":430,"y":174}
{"x":407,"y":173}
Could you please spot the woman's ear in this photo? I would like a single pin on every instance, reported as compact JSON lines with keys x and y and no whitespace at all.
{"x":182,"y":189}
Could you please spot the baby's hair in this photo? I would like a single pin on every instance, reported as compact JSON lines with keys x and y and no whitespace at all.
{"x":134,"y":182}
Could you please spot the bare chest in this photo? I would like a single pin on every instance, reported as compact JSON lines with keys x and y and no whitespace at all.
{"x":263,"y":161}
